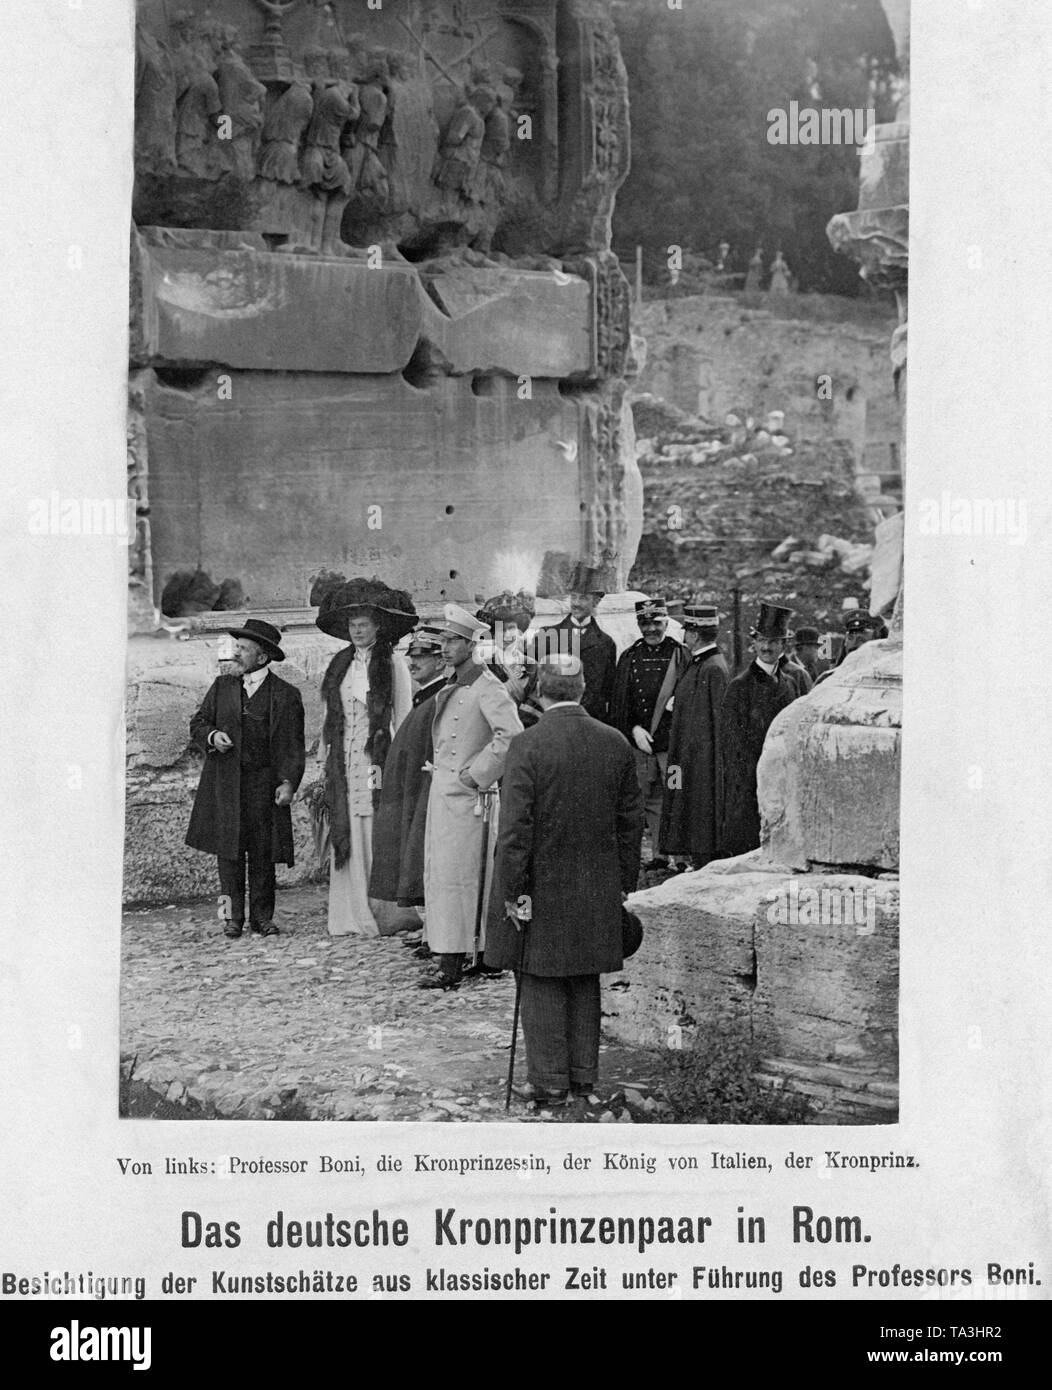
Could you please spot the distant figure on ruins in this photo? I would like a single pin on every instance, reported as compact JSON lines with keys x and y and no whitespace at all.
{"x":242,"y":101}
{"x":250,"y":729}
{"x":283,"y":129}
{"x":724,"y":252}
{"x":366,"y":693}
{"x":779,"y":275}
{"x":754,"y":275}
{"x":692,"y":814}
{"x":644,"y":684}
{"x":752,"y":701}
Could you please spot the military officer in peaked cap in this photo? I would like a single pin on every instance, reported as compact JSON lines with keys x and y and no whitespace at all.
{"x":644,"y":684}
{"x":474,"y":721}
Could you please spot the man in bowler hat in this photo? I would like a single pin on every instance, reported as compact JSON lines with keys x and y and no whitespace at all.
{"x":567,"y":854}
{"x":250,"y":729}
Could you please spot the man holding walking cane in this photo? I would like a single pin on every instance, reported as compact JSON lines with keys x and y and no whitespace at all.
{"x":567,"y":855}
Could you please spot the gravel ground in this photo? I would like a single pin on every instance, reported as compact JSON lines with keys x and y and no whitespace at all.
{"x":308,"y":1026}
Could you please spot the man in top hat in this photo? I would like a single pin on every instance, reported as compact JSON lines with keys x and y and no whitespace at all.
{"x":250,"y":729}
{"x":397,"y":873}
{"x":580,"y":635}
{"x":474,"y":721}
{"x":571,"y":825}
{"x":806,"y":641}
{"x":644,"y":683}
{"x":751,"y":703}
{"x":860,"y":627}
{"x":692,"y":813}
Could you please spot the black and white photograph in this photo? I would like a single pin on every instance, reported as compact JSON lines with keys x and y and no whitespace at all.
{"x":526,"y":737}
{"x":515,"y":659}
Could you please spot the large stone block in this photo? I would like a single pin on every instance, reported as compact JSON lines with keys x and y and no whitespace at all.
{"x":258,"y":310}
{"x":425,"y":485}
{"x":808,"y":963}
{"x":207,"y":297}
{"x":828,"y":778}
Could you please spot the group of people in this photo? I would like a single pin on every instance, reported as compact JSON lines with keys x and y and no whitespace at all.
{"x":496,"y":779}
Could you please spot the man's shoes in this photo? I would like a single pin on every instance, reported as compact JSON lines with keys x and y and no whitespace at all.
{"x":264,"y":929}
{"x":446,"y":982}
{"x":681,"y":868}
{"x":481,"y":972}
{"x":537,"y":1095}
{"x":233,"y":930}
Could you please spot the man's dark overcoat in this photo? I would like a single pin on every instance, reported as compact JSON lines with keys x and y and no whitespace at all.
{"x":751,"y":703}
{"x":215,"y":820}
{"x":399,"y":821}
{"x":571,"y":822}
{"x":692,"y":813}
{"x":598,"y":653}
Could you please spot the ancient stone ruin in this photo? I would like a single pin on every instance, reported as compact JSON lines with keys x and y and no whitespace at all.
{"x":798,"y":941}
{"x":376,"y":327}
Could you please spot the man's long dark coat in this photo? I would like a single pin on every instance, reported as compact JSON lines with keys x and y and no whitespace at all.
{"x":571,"y":822}
{"x":751,"y":703}
{"x":215,"y":822}
{"x":397,"y":874}
{"x":598,"y":653}
{"x":692,"y":813}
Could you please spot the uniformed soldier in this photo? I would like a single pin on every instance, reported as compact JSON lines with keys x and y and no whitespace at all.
{"x":474,"y":721}
{"x":860,"y":627}
{"x":644,"y":684}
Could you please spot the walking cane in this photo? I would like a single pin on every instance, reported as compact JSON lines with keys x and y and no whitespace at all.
{"x":523,"y":929}
{"x":483,"y":805}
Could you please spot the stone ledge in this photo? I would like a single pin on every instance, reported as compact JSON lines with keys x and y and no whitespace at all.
{"x":735,"y":942}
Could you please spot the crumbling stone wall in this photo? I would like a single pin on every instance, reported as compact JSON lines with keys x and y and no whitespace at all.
{"x":710,"y":354}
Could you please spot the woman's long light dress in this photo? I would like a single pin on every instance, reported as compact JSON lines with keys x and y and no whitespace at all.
{"x":351,"y":910}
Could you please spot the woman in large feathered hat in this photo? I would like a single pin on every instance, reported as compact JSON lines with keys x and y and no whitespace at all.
{"x":366,"y":693}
